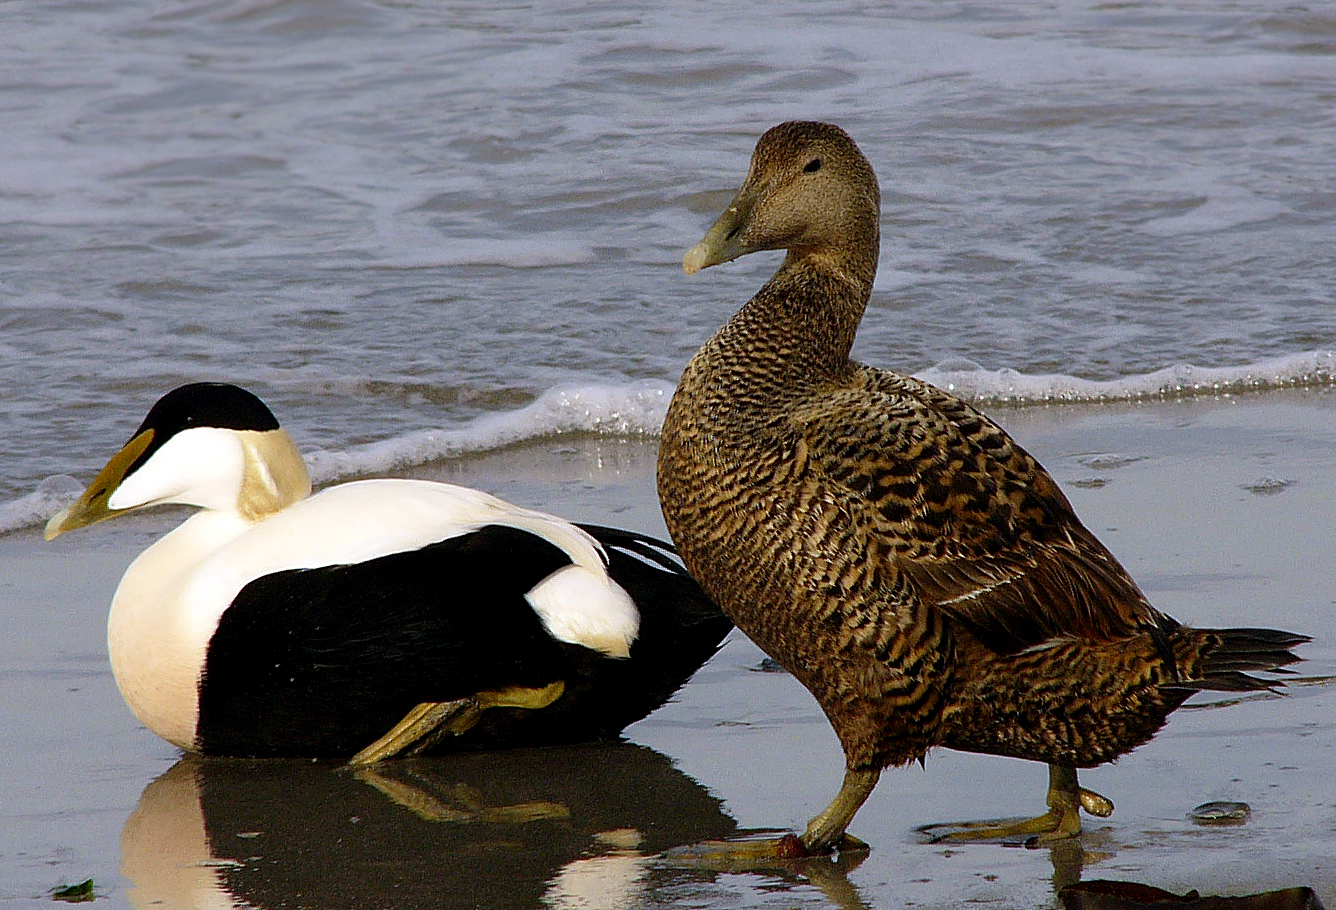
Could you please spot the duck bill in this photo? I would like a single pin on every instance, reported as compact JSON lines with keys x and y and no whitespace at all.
{"x":722,"y":242}
{"x":92,"y":506}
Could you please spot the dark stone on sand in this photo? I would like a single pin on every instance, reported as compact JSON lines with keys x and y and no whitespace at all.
{"x":1221,"y":814}
{"x":1108,"y":895}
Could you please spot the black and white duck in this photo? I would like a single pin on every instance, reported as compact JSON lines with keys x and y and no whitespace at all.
{"x":374,"y":618}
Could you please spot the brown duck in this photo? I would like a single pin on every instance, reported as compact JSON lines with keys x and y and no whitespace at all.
{"x":890,"y":545}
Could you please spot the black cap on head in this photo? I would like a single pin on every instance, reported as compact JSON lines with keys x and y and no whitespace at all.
{"x":207,"y":404}
{"x":203,"y":404}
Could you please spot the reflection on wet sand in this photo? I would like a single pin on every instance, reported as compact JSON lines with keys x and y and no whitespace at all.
{"x":562,"y":827}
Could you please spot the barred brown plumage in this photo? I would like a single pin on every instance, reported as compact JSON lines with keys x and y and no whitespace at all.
{"x":888,"y":543}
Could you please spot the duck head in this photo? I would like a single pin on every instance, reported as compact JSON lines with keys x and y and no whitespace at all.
{"x":208,"y":444}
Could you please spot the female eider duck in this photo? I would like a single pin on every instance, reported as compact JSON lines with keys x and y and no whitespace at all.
{"x":890,"y":545}
{"x":374,"y":618}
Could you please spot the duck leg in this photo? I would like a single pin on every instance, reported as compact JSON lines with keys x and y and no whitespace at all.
{"x":1066,"y":799}
{"x":429,"y":722}
{"x":825,"y":832}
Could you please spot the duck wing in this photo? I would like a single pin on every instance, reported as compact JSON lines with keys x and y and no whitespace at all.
{"x":973,"y":521}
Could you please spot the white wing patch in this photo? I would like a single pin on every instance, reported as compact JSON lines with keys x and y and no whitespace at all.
{"x":586,"y":608}
{"x":363,"y":520}
{"x":366,"y":519}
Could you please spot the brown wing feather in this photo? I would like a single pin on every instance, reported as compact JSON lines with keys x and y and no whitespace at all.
{"x":971,"y":518}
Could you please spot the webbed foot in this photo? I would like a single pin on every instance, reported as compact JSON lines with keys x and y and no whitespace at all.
{"x":1066,"y":799}
{"x":759,"y":852}
{"x":824,"y":834}
{"x":428,"y":723}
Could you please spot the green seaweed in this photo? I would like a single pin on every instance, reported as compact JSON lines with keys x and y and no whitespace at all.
{"x":74,"y":894}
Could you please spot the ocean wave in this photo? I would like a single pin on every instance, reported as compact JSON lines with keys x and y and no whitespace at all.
{"x":638,"y":409}
{"x":1312,"y":369}
{"x":625,"y":410}
{"x":529,"y":253}
{"x":632,"y":410}
{"x":33,"y":509}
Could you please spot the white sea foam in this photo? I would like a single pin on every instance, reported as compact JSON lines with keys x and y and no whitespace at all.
{"x":630,"y":410}
{"x":638,"y":410}
{"x":51,"y":495}
{"x":634,"y":410}
{"x":1006,"y":386}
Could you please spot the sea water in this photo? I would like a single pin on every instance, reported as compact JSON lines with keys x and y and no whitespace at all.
{"x":423,"y":229}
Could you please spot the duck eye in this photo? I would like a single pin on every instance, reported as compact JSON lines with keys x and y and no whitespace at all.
{"x":812,"y":166}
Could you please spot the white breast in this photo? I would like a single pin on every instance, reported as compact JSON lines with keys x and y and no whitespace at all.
{"x":154,"y":643}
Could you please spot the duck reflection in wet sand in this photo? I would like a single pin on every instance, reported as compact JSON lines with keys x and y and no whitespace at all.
{"x":564,"y":826}
{"x":1115,"y":895}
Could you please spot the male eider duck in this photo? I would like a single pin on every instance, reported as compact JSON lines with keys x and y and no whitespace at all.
{"x":374,"y":618}
{"x":891,"y":546}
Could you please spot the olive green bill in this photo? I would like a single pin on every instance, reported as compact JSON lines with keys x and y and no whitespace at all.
{"x":722,"y":242}
{"x":91,"y":506}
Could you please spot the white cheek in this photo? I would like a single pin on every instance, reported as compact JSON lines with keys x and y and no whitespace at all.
{"x":197,"y":467}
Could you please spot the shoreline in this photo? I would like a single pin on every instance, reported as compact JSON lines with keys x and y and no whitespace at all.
{"x":1222,"y":509}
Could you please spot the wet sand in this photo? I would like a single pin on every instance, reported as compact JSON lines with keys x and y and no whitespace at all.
{"x":1222,"y":509}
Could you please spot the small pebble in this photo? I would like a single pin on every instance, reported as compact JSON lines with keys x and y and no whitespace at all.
{"x":1267,"y":486}
{"x":1109,"y":460}
{"x":1221,"y":813}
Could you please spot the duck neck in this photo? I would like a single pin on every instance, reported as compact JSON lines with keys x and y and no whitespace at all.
{"x":274,"y":475}
{"x":803,"y":321}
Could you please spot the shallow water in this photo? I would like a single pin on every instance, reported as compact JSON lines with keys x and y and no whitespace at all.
{"x":390,"y":218}
{"x":1220,"y":509}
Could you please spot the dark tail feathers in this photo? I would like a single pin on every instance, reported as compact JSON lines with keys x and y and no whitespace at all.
{"x":1228,"y":657}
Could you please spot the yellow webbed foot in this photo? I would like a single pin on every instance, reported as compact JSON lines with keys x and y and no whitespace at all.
{"x":824,"y":834}
{"x":427,"y":723}
{"x":1066,"y":799}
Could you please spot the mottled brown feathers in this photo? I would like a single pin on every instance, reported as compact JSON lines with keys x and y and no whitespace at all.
{"x":973,"y":520}
{"x":886,"y":542}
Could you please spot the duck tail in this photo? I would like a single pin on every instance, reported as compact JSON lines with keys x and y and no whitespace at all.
{"x":1224,"y":660}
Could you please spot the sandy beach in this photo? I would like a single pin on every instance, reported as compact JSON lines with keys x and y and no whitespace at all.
{"x":1221,"y":508}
